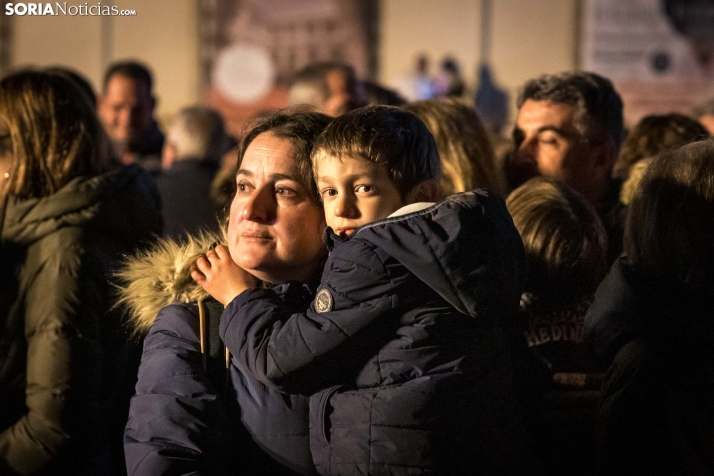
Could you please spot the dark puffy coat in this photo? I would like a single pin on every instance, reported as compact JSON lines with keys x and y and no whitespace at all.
{"x":58,"y":340}
{"x":178,"y":422}
{"x":402,"y":348}
{"x":554,"y":332}
{"x":657,"y":402}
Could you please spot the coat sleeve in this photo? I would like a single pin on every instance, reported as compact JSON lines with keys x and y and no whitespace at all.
{"x":302,"y":352}
{"x":63,"y":358}
{"x":177,"y":422}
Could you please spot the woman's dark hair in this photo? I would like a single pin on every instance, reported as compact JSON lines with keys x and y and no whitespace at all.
{"x":78,"y":79}
{"x":388,"y":136}
{"x":653,"y":135}
{"x":670,"y":223}
{"x":301,"y":128}
{"x":564,"y":239}
{"x":54,"y":133}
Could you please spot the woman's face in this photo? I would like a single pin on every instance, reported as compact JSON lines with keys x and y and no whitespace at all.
{"x":275,"y":230}
{"x":5,"y":151}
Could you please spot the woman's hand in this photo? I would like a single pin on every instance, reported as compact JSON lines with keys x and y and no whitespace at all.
{"x":217,"y":273}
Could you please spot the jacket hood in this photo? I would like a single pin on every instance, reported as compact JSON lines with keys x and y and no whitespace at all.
{"x":106,"y":203}
{"x":466,"y":248}
{"x":159,"y":276}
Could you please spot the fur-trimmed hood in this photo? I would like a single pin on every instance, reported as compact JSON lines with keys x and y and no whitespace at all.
{"x":159,"y":276}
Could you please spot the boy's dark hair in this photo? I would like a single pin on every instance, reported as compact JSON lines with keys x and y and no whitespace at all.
{"x":565,"y":240}
{"x":130,"y":69}
{"x":388,"y":136}
{"x":301,"y":128}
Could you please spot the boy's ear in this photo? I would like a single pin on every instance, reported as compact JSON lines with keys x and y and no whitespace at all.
{"x":424,"y":191}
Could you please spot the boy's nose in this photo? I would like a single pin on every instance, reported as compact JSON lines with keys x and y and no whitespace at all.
{"x":345,"y":208}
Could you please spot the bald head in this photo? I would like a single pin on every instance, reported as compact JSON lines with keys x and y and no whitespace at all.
{"x":331,"y":87}
{"x":197,"y":132}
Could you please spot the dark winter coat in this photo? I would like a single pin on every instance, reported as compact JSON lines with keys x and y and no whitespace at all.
{"x":560,"y":404}
{"x":180,"y":423}
{"x":554,"y":332}
{"x":402,"y":348}
{"x":657,"y":403}
{"x":58,"y":340}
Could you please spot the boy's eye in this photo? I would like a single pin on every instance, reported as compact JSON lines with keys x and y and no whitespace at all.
{"x":364,"y":189}
{"x":329,"y":192}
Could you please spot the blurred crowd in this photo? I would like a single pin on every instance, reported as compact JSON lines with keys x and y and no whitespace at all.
{"x":189,"y":302}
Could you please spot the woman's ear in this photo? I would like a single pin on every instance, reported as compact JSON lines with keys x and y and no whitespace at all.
{"x":424,"y":191}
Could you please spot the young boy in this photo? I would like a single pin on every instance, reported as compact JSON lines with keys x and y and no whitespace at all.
{"x":566,"y":251}
{"x":402,"y":349}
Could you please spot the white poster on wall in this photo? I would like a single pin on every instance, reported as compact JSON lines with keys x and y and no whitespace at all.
{"x":659,"y":53}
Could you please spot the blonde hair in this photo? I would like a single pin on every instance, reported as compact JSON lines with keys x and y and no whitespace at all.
{"x":629,"y":186}
{"x":54,"y":132}
{"x":564,"y":239}
{"x":464,"y":148}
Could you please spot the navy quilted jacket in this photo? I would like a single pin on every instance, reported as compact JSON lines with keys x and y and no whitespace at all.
{"x":179,"y":424}
{"x":403,"y":350}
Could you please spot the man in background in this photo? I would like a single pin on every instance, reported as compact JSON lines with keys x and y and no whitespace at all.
{"x":331,"y":87}
{"x":570,"y":127}
{"x":126,"y":109}
{"x":191,"y":157}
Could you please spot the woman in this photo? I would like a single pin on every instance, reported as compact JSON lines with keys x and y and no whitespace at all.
{"x":67,"y":214}
{"x":654,"y":134}
{"x":177,"y":420}
{"x":464,"y":148}
{"x":652,"y":322}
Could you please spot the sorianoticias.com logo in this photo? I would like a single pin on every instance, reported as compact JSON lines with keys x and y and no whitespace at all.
{"x":62,"y":8}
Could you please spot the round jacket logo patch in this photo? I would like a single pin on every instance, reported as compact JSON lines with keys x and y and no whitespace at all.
{"x":323,"y":301}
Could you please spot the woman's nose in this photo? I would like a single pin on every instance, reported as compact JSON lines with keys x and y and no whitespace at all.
{"x":260,"y":206}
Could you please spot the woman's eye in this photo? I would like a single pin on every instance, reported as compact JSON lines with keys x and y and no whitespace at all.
{"x":242,"y":187}
{"x":5,"y":144}
{"x":284,"y":192}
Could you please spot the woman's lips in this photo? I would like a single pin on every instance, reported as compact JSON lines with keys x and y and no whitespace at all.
{"x":254,"y":235}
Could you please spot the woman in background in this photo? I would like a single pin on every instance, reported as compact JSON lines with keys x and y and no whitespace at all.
{"x":68,"y":212}
{"x":464,"y":147}
{"x":652,"y":323}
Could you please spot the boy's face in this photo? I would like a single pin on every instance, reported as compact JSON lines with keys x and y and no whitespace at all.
{"x":354,"y":191}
